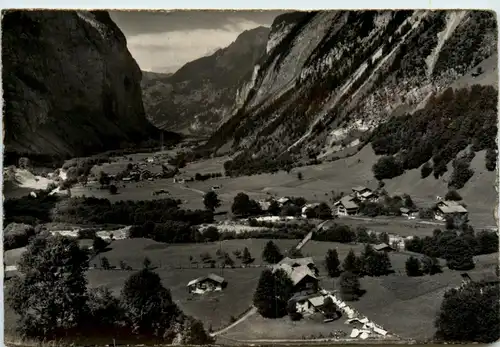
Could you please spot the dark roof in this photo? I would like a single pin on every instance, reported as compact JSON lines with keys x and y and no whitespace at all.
{"x":211,"y":276}
{"x":381,"y":246}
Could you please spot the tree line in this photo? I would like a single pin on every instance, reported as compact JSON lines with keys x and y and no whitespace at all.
{"x":52,"y":300}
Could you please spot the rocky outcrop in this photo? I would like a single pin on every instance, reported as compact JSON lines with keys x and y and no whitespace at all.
{"x":201,"y":94}
{"x":330,"y":76}
{"x":70,"y":85}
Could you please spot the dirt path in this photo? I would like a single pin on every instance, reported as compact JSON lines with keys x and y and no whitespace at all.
{"x":252,"y":311}
{"x":192,"y":189}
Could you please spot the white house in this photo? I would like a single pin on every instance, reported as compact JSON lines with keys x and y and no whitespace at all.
{"x":307,"y":207}
{"x":346,"y":206}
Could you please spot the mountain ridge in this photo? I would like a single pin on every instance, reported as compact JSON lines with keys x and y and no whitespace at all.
{"x":331,"y":76}
{"x":201,"y":93}
{"x":69,"y":78}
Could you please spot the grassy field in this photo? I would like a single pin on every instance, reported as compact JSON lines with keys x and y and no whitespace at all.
{"x":317,"y":184}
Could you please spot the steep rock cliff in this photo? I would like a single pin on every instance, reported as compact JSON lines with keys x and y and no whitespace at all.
{"x":201,"y":94}
{"x":329,"y":77}
{"x":70,"y":85}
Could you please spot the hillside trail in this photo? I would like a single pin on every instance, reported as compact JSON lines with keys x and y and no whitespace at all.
{"x":250,"y":313}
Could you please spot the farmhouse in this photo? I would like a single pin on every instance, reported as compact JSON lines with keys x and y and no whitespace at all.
{"x":308,"y":207}
{"x":486,"y":278}
{"x":361,"y":191}
{"x":410,"y":213}
{"x":368,"y":196}
{"x":450,"y":209}
{"x":284,"y":201}
{"x":302,"y":273}
{"x":210,"y":283}
{"x":346,"y":206}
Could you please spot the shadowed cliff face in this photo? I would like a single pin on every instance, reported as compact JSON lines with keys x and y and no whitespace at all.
{"x":70,"y":85}
{"x":201,"y":94}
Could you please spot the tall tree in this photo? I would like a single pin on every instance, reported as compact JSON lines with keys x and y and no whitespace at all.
{"x":246,"y":258}
{"x":412,"y":266}
{"x":459,"y":256}
{"x":271,"y":253}
{"x":148,"y":304}
{"x":211,"y":201}
{"x":243,"y":205}
{"x":350,"y":288}
{"x":324,"y":211}
{"x":50,"y":295}
{"x":351,"y":262}
{"x":274,"y":208}
{"x":272,"y":293}
{"x":430,"y":265}
{"x":332,"y":263}
{"x":470,"y":314}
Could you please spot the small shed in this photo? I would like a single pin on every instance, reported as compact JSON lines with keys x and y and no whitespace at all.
{"x":209,"y":283}
{"x":483,"y":278}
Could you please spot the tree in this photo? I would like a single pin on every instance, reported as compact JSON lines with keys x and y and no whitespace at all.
{"x":332,"y":263}
{"x":349,"y":286}
{"x":413,"y":267}
{"x":211,"y":201}
{"x":271,"y":253}
{"x":99,"y":245}
{"x":351,"y":262}
{"x":52,"y":276}
{"x":148,"y":305}
{"x":241,"y":205}
{"x":211,"y":234}
{"x":104,"y":309}
{"x":387,"y":167}
{"x":246,"y":258}
{"x":426,"y":170}
{"x":272,"y":293}
{"x":274,"y":208}
{"x":104,"y":179}
{"x":469,"y":314}
{"x":384,"y":238}
{"x":193,"y":333}
{"x":113,"y":189}
{"x":146,"y":263}
{"x":330,"y":309}
{"x":491,"y":159}
{"x":430,"y":265}
{"x":228,"y":261}
{"x":324,"y":211}
{"x":458,"y":255}
{"x":299,"y":176}
{"x":375,"y":263}
{"x":452,"y":195}
{"x":105,"y":263}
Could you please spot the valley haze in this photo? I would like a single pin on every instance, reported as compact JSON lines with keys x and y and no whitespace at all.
{"x":250,"y":177}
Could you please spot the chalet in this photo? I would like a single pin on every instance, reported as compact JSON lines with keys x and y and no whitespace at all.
{"x":304,"y":278}
{"x":284,"y":201}
{"x":210,"y":283}
{"x":296,"y":262}
{"x":308,"y":207}
{"x":346,"y":206}
{"x":368,"y":196}
{"x":450,"y":209}
{"x":486,"y":278}
{"x":383,"y":247}
{"x":360,"y":190}
{"x":410,"y":213}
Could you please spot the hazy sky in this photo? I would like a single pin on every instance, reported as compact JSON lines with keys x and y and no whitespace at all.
{"x":164,"y":41}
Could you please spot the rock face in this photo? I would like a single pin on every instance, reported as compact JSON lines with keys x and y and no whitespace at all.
{"x":201,"y":94}
{"x":71,"y":86}
{"x":330,"y":76}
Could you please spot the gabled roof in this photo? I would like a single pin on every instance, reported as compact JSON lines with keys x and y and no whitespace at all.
{"x":347,"y":202}
{"x":367,"y":194}
{"x":447,"y":206}
{"x":283,"y":200}
{"x":211,"y":276}
{"x":297,"y":273}
{"x":318,"y":300}
{"x":485,"y":276}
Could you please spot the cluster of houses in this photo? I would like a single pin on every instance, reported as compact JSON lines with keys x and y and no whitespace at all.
{"x":348,"y":205}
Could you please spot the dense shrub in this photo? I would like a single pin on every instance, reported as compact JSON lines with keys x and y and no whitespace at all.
{"x":426,"y":170}
{"x":449,"y":123}
{"x":387,"y":167}
{"x":461,"y":174}
{"x":491,"y":159}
